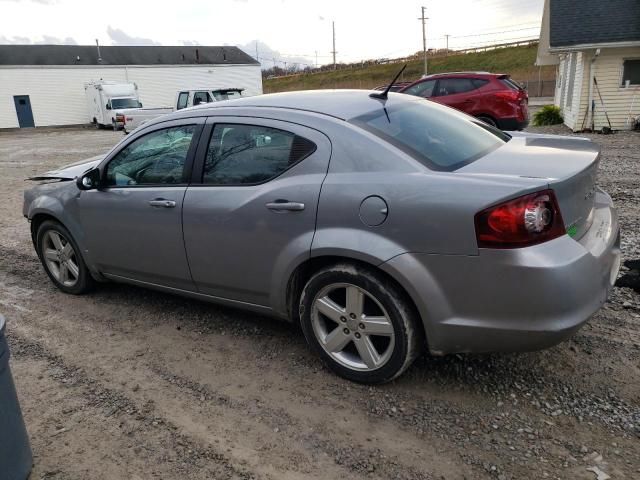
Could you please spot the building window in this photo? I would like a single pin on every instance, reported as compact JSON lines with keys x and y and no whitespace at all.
{"x":631,"y":72}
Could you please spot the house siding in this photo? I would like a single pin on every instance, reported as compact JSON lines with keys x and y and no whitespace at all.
{"x":58,"y":98}
{"x":608,"y":72}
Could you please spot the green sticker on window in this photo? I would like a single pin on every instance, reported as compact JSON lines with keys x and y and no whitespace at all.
{"x":572,"y":230}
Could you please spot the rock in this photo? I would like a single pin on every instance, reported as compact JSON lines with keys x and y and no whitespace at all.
{"x":593,"y":457}
{"x":600,"y":475}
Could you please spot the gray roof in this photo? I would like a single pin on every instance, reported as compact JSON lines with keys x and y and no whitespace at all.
{"x":121,"y":55}
{"x":593,"y":22}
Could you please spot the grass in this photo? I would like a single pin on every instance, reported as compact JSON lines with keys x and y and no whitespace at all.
{"x":516,"y":61}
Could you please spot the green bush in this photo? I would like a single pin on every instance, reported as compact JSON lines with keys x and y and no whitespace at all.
{"x":548,"y":115}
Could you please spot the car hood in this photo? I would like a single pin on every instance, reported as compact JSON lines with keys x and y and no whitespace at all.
{"x":71,"y":171}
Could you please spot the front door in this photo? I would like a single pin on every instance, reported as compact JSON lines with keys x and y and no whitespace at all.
{"x":133,"y":222}
{"x":23,"y":111}
{"x":254,"y":209}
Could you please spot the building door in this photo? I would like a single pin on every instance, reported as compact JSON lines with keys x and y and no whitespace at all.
{"x":23,"y":110}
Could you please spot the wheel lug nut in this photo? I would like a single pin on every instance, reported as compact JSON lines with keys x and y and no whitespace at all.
{"x":361,"y":326}
{"x":343,"y":319}
{"x":352,"y":315}
{"x":357,"y":335}
{"x":346,"y":331}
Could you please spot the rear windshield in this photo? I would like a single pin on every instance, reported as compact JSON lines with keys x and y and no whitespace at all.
{"x":438,"y":137}
{"x":510,"y":83}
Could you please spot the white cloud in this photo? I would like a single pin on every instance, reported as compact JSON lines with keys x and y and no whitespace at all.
{"x":44,"y":40}
{"x":119,"y":37}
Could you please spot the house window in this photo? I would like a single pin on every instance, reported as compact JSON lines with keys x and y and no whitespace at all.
{"x":631,"y":72}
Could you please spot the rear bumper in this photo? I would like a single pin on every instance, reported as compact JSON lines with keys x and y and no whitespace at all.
{"x":512,"y":124}
{"x":513,"y":300}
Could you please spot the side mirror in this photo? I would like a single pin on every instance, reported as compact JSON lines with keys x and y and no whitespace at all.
{"x":89,"y":180}
{"x":108,"y":106}
{"x":139,"y":104}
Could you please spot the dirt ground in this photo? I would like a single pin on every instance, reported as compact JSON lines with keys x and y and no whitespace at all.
{"x":127,"y":383}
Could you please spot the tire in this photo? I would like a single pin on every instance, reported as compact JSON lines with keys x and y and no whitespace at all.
{"x":488,"y":120}
{"x":77,"y":279}
{"x":338,"y":329}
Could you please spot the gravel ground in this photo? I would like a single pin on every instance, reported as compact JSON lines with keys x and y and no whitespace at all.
{"x":130,"y":383}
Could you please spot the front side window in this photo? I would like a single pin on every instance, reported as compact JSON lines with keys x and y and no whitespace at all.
{"x":631,"y":72}
{"x":438,"y":137}
{"x":157,"y":158}
{"x":422,"y":89}
{"x":183,"y":99}
{"x":452,"y":86}
{"x":250,"y":154}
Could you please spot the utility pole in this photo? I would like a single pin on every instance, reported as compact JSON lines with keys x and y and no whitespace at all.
{"x":333,"y":27}
{"x":424,"y":38}
{"x":316,"y":58}
{"x":257,"y":51}
{"x":447,"y":37}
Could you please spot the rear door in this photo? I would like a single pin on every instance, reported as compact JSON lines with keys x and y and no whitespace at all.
{"x":457,"y":93}
{"x":250,"y":211}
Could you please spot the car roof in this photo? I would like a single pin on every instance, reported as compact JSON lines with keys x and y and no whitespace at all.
{"x":341,"y":104}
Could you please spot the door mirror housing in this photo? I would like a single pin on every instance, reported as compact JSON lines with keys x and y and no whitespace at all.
{"x":89,"y":180}
{"x":108,"y":106}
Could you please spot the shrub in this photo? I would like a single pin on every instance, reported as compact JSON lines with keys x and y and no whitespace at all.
{"x":547,"y":115}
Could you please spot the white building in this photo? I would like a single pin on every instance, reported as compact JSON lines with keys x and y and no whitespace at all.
{"x":46,"y":82}
{"x":596,"y":45}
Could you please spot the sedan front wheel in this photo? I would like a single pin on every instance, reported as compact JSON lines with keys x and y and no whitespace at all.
{"x":359,"y":323}
{"x":61,"y":258}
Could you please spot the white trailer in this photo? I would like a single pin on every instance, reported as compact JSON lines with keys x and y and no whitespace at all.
{"x":106,"y":99}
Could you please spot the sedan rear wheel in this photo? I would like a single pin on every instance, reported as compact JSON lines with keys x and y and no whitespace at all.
{"x":488,"y":120}
{"x":61,"y":259}
{"x":359,"y":323}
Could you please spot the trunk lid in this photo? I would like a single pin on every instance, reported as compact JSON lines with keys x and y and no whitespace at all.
{"x":568,"y":165}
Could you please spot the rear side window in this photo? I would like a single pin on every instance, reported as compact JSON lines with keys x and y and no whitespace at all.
{"x":250,"y":154}
{"x":479,"y":82}
{"x":183,"y":99}
{"x":438,"y":137}
{"x":452,"y":86}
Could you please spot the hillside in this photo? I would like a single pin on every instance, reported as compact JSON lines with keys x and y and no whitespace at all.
{"x":516,"y":61}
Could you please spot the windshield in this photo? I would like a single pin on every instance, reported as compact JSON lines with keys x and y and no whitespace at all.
{"x":124,"y":103}
{"x":226,"y":94}
{"x":438,"y":137}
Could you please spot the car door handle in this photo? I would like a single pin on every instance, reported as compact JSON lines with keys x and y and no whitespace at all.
{"x":161,"y":202}
{"x":284,"y":205}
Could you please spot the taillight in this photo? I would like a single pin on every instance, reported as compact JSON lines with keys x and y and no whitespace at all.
{"x":521,"y":222}
{"x":510,"y":95}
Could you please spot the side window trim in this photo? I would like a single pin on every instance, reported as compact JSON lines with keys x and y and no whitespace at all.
{"x":198,"y":122}
{"x":197,"y":172}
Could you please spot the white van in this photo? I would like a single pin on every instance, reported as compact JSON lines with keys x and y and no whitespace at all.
{"x":106,"y":99}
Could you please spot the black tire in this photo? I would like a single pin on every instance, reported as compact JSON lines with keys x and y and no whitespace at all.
{"x":407,"y":333}
{"x":84,"y":281}
{"x":488,"y":120}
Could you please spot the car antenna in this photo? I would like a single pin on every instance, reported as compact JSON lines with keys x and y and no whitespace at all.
{"x":385,"y":94}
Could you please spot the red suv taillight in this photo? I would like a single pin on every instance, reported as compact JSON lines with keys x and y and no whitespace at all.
{"x":509,"y":95}
{"x":521,"y":222}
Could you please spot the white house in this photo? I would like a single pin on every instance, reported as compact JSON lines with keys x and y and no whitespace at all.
{"x":47,"y":81}
{"x":596,"y":45}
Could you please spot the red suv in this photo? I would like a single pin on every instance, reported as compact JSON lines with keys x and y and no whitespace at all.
{"x":492,"y":98}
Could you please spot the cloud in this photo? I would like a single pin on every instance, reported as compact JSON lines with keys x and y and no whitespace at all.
{"x":119,"y":37}
{"x":44,"y":2}
{"x":266,"y":56}
{"x":191,"y":43}
{"x":45,"y":40}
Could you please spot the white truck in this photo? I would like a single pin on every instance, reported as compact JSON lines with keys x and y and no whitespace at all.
{"x":133,"y":118}
{"x":106,"y":99}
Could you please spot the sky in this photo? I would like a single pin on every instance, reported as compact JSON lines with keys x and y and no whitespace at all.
{"x":292,"y":31}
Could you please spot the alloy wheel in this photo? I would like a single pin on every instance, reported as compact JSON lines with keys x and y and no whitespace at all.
{"x":60,"y":258}
{"x":352,"y":327}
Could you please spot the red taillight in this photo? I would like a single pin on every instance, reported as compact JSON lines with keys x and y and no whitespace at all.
{"x":509,"y":95}
{"x":521,"y":222}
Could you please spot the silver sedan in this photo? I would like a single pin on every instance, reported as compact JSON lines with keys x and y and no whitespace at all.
{"x":383,"y":225}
